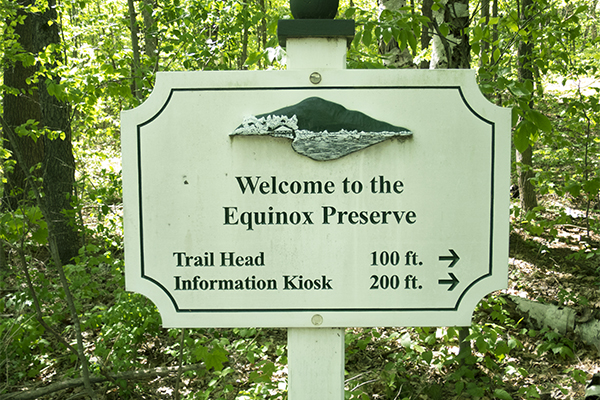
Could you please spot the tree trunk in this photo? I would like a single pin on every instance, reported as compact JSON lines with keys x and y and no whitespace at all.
{"x":525,"y":159}
{"x":135,"y":48}
{"x":495,"y":46}
{"x":495,"y":28}
{"x":150,"y":34}
{"x":262,"y":30}
{"x":452,"y":50}
{"x":426,"y":33}
{"x":561,"y":319}
{"x":392,"y":55}
{"x":52,"y":242}
{"x":18,"y":109}
{"x":485,"y":45}
{"x":525,"y":173}
{"x":245,"y":37}
{"x":59,"y":163}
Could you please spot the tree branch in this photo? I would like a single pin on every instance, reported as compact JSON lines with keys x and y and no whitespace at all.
{"x":73,"y":383}
{"x":55,"y":254}
{"x":36,"y":302}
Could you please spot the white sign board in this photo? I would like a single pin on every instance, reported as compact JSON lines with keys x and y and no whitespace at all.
{"x":228,"y":228}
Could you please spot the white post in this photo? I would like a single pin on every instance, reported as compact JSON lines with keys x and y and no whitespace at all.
{"x":316,"y":364}
{"x":324,"y":53}
{"x":316,"y":355}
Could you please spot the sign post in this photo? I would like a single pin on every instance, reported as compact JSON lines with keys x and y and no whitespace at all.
{"x":316,"y":356}
{"x":315,"y":199}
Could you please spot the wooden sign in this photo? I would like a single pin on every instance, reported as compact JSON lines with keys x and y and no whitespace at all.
{"x":276,"y":199}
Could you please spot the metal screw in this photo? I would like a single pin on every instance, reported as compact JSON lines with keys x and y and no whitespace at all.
{"x":315,"y":78}
{"x":316,"y":320}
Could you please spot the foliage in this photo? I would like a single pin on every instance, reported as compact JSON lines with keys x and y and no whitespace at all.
{"x":404,"y":26}
{"x":556,"y":112}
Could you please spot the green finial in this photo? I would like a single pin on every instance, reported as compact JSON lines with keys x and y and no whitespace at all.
{"x":314,"y":9}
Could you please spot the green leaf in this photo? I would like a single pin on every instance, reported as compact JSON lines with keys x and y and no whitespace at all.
{"x":427,"y":356}
{"x":592,"y":187}
{"x":574,"y":188}
{"x":532,"y":391}
{"x":497,"y":54}
{"x":512,"y":25}
{"x":387,"y":35}
{"x":528,"y":84}
{"x":522,"y":135}
{"x":444,"y":30}
{"x":412,"y":42}
{"x":482,"y":345}
{"x":40,"y":236}
{"x":51,"y":88}
{"x":216,"y":358}
{"x":269,"y":369}
{"x":502,"y":394}
{"x":565,"y":352}
{"x":357,"y":39}
{"x":406,"y":341}
{"x":367,"y":36}
{"x":516,"y":113}
{"x":519,"y":89}
{"x":501,"y":348}
{"x":476,"y":34}
{"x":540,"y":120}
{"x":459,"y":387}
{"x":403,"y":39}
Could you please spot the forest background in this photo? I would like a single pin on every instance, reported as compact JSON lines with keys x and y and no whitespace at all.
{"x":69,"y":330}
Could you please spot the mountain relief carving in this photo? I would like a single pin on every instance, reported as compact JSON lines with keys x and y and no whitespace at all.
{"x":320,"y":129}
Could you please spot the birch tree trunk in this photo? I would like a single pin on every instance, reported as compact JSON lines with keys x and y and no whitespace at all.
{"x":451,"y":50}
{"x":563,"y":320}
{"x":392,"y":55}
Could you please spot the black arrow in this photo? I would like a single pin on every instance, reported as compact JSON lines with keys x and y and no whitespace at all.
{"x":452,"y":282}
{"x":454,"y":258}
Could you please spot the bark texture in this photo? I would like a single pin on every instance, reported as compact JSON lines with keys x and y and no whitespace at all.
{"x":426,"y":34}
{"x":452,"y":50}
{"x":527,"y":195}
{"x":18,"y":109}
{"x":32,"y":102}
{"x":485,"y":46}
{"x":525,"y":159}
{"x":135,"y":48}
{"x":59,"y":163}
{"x":563,"y":320}
{"x":392,"y":55}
